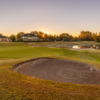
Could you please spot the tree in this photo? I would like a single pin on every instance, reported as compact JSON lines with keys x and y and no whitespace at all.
{"x":50,"y":37}
{"x":85,"y":36}
{"x":13,"y":38}
{"x":96,"y":37}
{"x":65,"y":37}
{"x":19,"y":36}
{"x":1,"y":34}
{"x":34,"y":32}
{"x":41,"y":34}
{"x":75,"y":38}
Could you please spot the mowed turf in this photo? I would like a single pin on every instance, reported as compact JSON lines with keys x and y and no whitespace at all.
{"x":14,"y":86}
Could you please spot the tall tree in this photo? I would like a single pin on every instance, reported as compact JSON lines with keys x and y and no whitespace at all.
{"x":85,"y":36}
{"x":96,"y":37}
{"x":1,"y":34}
{"x":65,"y":37}
{"x":12,"y":37}
{"x":19,"y":36}
{"x":41,"y":34}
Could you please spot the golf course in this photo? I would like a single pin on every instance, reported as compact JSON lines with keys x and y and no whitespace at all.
{"x":16,"y":84}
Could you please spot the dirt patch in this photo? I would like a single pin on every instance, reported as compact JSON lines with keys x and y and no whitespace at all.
{"x":60,"y":70}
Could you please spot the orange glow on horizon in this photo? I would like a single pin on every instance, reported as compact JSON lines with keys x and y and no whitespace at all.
{"x":45,"y":31}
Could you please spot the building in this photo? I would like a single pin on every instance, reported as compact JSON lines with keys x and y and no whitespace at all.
{"x":4,"y":39}
{"x":30,"y":37}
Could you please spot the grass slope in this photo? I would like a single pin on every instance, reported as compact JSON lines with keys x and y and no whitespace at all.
{"x":14,"y":86}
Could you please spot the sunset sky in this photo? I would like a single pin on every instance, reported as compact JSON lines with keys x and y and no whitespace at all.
{"x":50,"y":16}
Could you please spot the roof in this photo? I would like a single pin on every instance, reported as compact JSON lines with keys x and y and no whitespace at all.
{"x":29,"y":34}
{"x":3,"y":37}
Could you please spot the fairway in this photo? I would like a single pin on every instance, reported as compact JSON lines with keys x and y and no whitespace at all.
{"x":16,"y":86}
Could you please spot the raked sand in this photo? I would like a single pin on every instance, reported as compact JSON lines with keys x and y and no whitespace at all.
{"x":60,"y":70}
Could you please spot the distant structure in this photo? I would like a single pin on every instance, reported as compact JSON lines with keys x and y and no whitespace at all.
{"x":30,"y":37}
{"x":4,"y":39}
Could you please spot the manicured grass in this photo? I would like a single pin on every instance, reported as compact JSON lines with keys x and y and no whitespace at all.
{"x":29,"y":52}
{"x":14,"y":86}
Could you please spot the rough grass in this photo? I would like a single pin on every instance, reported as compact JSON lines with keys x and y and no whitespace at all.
{"x":14,"y":86}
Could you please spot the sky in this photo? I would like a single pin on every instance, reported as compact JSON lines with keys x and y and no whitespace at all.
{"x":49,"y":16}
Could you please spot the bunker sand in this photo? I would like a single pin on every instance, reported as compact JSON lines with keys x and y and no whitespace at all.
{"x":60,"y":70}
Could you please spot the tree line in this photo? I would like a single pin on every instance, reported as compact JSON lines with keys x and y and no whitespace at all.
{"x":83,"y":36}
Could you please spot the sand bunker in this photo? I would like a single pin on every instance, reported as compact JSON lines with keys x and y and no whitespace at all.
{"x":60,"y":70}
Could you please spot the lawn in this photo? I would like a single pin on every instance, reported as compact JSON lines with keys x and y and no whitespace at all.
{"x":15,"y":86}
